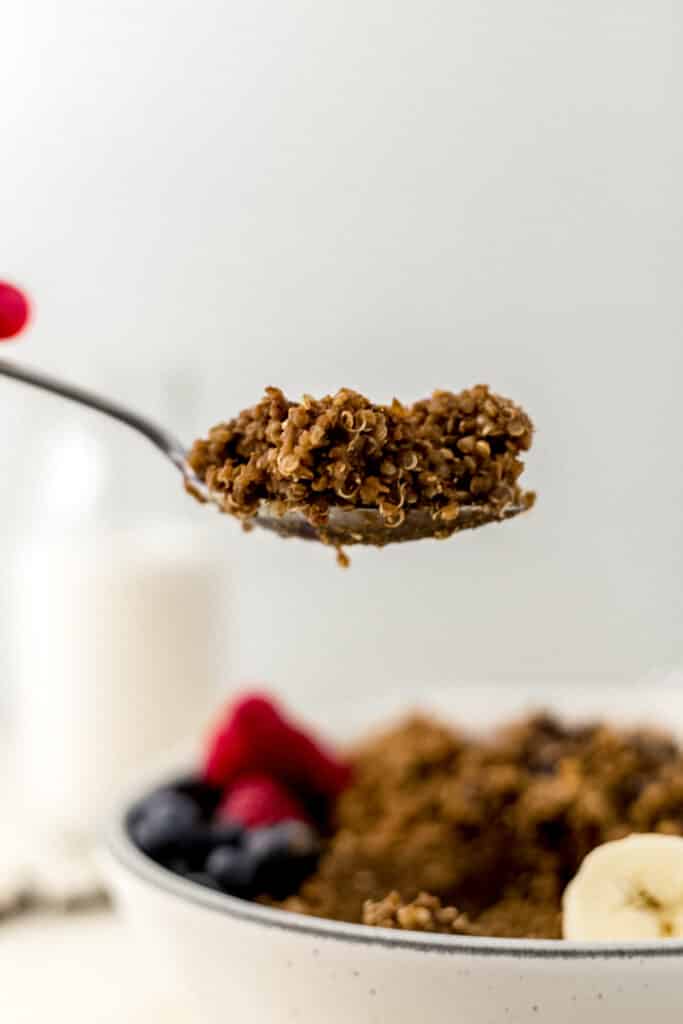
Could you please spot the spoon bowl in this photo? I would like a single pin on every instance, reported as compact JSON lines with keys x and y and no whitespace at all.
{"x":344,"y":526}
{"x":366,"y":526}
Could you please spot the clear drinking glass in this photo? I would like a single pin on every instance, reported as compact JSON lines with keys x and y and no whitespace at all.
{"x":116,"y":615}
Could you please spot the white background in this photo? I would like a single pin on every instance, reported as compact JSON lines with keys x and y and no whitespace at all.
{"x":392,"y":196}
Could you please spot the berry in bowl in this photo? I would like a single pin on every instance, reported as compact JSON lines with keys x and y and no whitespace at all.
{"x":533,"y":870}
{"x":251,"y":821}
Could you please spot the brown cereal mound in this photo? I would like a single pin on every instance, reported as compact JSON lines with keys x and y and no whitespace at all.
{"x":446,"y":832}
{"x":440,"y":453}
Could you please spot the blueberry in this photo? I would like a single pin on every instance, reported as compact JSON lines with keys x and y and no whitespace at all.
{"x":206,"y":796}
{"x":284,"y":840}
{"x":161,"y":800}
{"x":179,"y":866}
{"x":199,"y":841}
{"x":283,"y":856}
{"x":232,"y":869}
{"x":163,"y":821}
{"x":170,"y":826}
{"x":202,"y":878}
{"x":226,"y":834}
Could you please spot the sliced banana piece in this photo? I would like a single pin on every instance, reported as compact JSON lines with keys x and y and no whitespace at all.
{"x":630,"y":889}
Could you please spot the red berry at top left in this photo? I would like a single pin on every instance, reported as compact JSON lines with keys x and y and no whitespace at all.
{"x":15,"y":311}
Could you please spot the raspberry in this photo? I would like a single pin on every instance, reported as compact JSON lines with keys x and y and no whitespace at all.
{"x":14,"y":311}
{"x":257,"y":800}
{"x":256,"y":737}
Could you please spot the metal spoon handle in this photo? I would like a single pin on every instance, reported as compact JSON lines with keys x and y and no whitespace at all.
{"x":159,"y":437}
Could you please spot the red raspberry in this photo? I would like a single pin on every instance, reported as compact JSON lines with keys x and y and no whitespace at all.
{"x":14,"y":311}
{"x":258,"y":800}
{"x":255,"y":737}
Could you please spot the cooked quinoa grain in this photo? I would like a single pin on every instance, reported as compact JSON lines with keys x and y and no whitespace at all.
{"x":441,"y":831}
{"x":440,"y":454}
{"x":423,"y":914}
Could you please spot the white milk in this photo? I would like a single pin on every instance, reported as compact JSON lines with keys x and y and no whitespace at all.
{"x":118,"y":646}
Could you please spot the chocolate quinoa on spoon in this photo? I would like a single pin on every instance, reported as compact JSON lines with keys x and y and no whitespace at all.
{"x":344,"y":470}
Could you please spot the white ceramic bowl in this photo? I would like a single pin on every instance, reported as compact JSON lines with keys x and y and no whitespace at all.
{"x":237,"y":961}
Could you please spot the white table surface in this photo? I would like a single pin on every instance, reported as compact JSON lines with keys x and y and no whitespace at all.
{"x":80,"y":969}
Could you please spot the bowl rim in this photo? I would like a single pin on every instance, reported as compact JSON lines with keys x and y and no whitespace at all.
{"x":119,"y":847}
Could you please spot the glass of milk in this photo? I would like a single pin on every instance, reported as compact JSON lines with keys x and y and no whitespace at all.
{"x":119,"y":646}
{"x":116,"y":619}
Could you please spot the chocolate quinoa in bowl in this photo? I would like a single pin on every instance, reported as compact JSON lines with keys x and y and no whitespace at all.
{"x":442,"y":455}
{"x":422,"y":827}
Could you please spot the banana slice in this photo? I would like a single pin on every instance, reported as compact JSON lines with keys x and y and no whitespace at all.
{"x":630,"y":889}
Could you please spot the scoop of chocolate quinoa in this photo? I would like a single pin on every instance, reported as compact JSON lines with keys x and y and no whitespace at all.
{"x":442,"y":454}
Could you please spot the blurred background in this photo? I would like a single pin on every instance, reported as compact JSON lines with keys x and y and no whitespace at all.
{"x":203,"y":199}
{"x":206,"y":199}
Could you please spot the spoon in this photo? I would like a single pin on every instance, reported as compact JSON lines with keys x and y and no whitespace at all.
{"x":344,"y":526}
